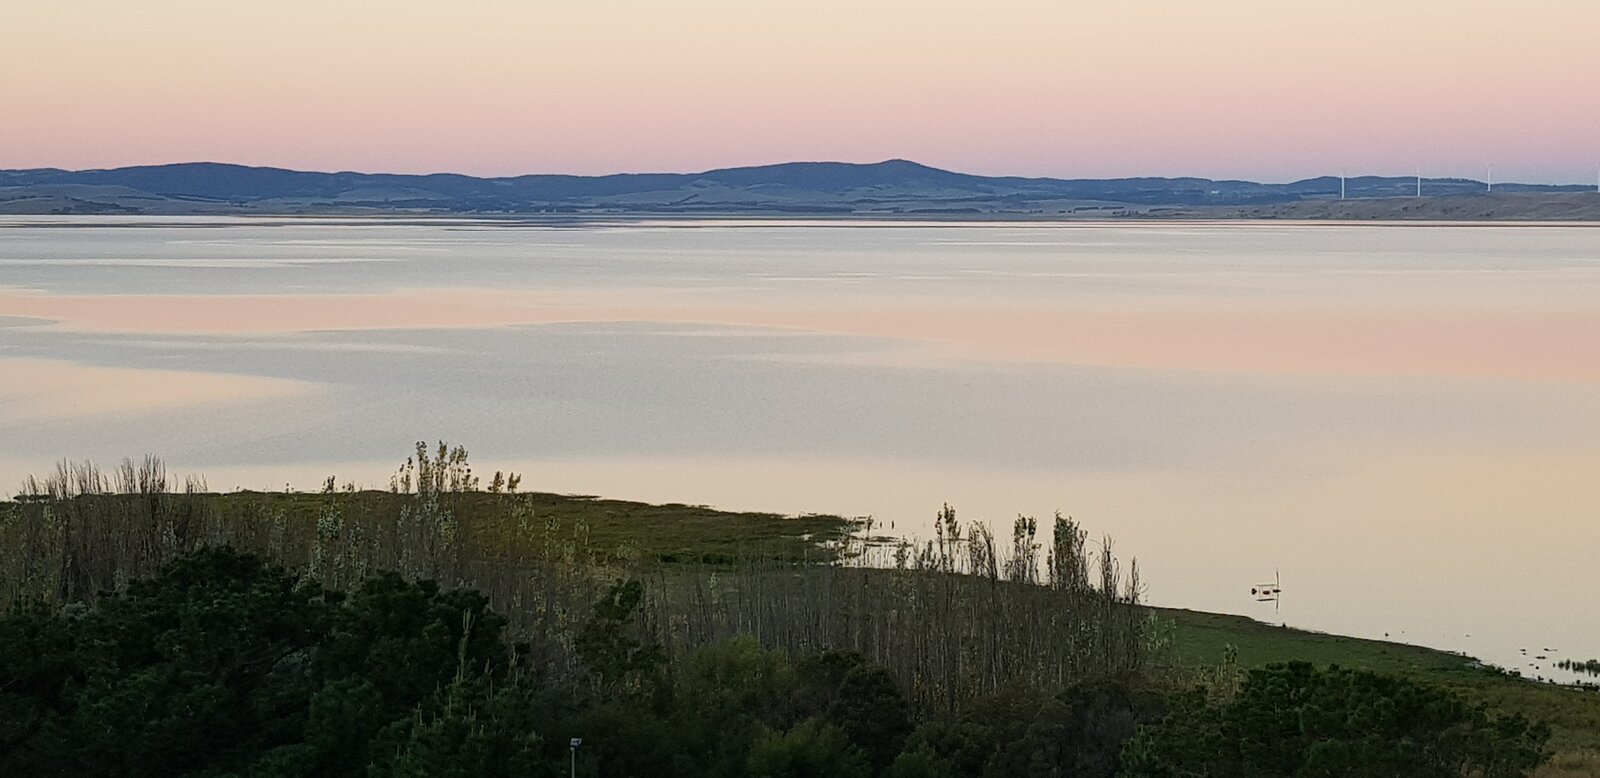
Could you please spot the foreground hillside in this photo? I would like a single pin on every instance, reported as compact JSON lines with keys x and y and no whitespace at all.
{"x":955,"y":625}
{"x":223,"y":665}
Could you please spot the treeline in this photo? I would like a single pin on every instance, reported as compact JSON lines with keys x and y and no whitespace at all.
{"x":442,"y":629}
{"x":962,"y":616}
{"x":225,"y":666}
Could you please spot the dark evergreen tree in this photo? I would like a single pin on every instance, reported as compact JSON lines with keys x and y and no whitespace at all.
{"x":1295,"y":719}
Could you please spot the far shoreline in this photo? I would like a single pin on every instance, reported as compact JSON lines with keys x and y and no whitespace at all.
{"x":746,"y":219}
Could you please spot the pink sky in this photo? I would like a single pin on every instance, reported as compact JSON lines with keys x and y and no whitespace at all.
{"x":1261,"y":89}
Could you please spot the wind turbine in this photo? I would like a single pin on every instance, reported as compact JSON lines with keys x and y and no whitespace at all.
{"x":1491,"y":179}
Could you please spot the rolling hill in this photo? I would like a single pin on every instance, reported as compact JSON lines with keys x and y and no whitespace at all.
{"x":890,"y":188}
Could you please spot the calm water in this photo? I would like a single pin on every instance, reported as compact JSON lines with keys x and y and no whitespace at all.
{"x":1403,"y":420}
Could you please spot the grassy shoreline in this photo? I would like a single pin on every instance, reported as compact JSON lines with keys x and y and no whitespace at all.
{"x":301,"y":530}
{"x":1200,"y":640}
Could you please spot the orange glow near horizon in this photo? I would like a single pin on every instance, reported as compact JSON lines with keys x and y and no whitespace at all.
{"x":1231,"y":88}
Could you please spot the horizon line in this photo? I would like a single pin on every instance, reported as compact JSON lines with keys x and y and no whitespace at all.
{"x":708,"y":171}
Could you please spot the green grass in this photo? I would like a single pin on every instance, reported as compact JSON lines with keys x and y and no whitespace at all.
{"x":1199,"y":640}
{"x":667,"y":533}
{"x":679,"y":533}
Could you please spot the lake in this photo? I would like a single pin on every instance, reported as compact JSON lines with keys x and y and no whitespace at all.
{"x":1401,"y":420}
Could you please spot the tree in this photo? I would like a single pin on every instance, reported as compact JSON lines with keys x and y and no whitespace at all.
{"x":921,"y":761}
{"x":871,"y":712}
{"x":1078,"y":733}
{"x":222,"y":664}
{"x":812,"y":749}
{"x":473,"y":729}
{"x":725,"y":697}
{"x":617,"y":661}
{"x":1296,"y":719}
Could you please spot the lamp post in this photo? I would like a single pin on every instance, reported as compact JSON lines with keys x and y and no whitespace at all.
{"x":573,"y":745}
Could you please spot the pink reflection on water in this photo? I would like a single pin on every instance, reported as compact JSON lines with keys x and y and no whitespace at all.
{"x":1329,"y":340}
{"x":35,"y":390}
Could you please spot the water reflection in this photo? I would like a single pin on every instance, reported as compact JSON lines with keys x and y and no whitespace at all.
{"x":1545,"y":346}
{"x":45,"y":391}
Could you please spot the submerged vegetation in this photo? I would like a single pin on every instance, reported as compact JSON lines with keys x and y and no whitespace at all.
{"x":445,"y":627}
{"x":1587,"y":666}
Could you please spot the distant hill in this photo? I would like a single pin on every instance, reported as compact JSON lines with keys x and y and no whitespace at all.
{"x":890,"y":188}
{"x":1500,"y":206}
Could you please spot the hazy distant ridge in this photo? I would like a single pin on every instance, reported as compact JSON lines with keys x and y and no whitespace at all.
{"x":890,"y":187}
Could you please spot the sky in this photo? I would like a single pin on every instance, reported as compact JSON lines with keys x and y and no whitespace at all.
{"x":1258,"y":89}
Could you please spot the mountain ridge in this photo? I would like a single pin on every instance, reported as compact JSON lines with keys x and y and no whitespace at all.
{"x":888,"y":187}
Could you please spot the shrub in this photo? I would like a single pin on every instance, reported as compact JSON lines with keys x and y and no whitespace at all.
{"x":1296,"y":719}
{"x":222,"y":664}
{"x":812,"y":749}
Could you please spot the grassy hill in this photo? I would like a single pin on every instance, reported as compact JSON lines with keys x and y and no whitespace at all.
{"x":1200,"y":640}
{"x":1500,"y":206}
{"x":888,"y":189}
{"x":70,"y":547}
